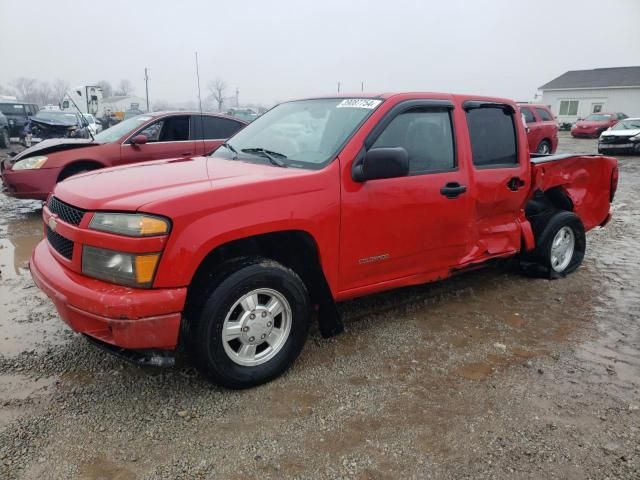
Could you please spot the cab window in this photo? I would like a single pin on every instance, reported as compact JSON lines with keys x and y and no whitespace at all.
{"x":493,"y":137}
{"x":426,"y":135}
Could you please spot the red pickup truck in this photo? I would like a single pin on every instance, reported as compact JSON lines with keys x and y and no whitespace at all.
{"x":320,"y":200}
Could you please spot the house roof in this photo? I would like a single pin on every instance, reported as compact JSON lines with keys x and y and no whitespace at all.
{"x":596,"y":78}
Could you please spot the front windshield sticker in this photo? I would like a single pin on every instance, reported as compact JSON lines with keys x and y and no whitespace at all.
{"x":359,"y":103}
{"x":143,"y":119}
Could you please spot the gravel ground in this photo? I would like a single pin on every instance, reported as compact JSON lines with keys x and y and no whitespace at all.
{"x":486,"y":375}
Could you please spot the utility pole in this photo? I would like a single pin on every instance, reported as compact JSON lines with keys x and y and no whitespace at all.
{"x":146,"y":86}
{"x":338,"y":87}
{"x":237,"y":97}
{"x":362,"y":86}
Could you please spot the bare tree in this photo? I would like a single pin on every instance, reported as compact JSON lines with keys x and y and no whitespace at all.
{"x":217,"y":89}
{"x":44,"y":93}
{"x":125,"y":87}
{"x":26,"y":88}
{"x":107,"y":89}
{"x":60,"y":87}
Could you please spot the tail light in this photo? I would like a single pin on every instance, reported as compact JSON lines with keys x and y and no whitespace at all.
{"x":614,"y":183}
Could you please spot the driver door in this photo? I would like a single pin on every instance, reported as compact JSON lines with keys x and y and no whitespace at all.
{"x":168,"y":137}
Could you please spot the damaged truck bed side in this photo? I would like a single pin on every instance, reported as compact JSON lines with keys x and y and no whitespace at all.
{"x":319,"y":200}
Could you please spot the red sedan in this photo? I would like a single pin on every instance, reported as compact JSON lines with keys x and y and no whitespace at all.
{"x":596,"y":123}
{"x":542,"y":129}
{"x":34,"y":172}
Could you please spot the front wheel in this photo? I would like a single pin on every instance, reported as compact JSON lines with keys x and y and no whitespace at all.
{"x":560,"y":247}
{"x":252,"y":324}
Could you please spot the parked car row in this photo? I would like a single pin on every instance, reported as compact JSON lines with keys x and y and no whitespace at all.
{"x":596,"y":123}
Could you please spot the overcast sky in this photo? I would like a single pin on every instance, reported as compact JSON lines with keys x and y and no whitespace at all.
{"x":279,"y":49}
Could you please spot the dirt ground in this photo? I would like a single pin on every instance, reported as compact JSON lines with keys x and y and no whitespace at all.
{"x":486,"y":375}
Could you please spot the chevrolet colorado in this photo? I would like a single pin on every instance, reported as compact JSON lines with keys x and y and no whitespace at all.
{"x":320,"y":200}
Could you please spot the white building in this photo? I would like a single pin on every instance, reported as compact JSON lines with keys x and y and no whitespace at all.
{"x":578,"y":93}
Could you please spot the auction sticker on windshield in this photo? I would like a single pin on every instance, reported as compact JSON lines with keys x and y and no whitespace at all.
{"x":359,"y":103}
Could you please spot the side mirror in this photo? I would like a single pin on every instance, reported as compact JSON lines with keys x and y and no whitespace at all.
{"x":383,"y":162}
{"x":139,"y":140}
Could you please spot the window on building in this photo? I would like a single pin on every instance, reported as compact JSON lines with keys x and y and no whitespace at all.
{"x":568,"y":107}
{"x":596,"y":108}
{"x":426,"y":135}
{"x":493,"y":137}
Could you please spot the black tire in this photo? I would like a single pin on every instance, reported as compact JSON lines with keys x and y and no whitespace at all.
{"x":206,"y":317}
{"x":4,"y":138}
{"x":544,"y":147}
{"x":538,"y":263}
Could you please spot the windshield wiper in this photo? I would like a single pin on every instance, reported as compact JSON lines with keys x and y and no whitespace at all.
{"x":230,"y":147}
{"x":271,"y":156}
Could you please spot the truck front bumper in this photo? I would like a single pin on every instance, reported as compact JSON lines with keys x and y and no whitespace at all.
{"x":125,"y":317}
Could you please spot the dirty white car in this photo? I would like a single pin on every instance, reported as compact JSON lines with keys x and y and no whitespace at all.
{"x":623,"y":137}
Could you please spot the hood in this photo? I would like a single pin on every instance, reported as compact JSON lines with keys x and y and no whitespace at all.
{"x":621,"y":133}
{"x":129,"y":188}
{"x":54,"y":145}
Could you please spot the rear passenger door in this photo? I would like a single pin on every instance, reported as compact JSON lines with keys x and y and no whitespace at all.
{"x":167,"y":137}
{"x":210,"y":131}
{"x":501,"y":177}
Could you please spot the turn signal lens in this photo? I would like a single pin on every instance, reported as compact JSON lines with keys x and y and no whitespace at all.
{"x":153,"y":226}
{"x":146,"y":268}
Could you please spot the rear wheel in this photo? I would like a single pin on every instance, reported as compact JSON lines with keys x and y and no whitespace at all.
{"x":4,"y":138}
{"x":544,"y":147}
{"x":560,"y":247}
{"x":251,"y":324}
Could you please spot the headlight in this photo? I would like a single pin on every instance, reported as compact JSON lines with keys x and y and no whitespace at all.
{"x":635,"y":138}
{"x":30,"y":163}
{"x":130,"y":224}
{"x":129,"y":269}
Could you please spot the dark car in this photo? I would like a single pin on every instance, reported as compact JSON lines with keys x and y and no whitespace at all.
{"x":156,"y":136}
{"x":542,"y":129}
{"x":58,"y":124}
{"x":17,"y":114}
{"x":4,"y":131}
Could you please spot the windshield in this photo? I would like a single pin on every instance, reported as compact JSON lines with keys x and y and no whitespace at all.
{"x":304,"y":133}
{"x":11,"y":108}
{"x":117,"y":131}
{"x":629,"y":124}
{"x":598,"y":118}
{"x":60,"y":117}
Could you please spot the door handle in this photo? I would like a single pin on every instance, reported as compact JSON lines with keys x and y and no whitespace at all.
{"x":184,"y":154}
{"x":452,"y":190}
{"x":515,"y":183}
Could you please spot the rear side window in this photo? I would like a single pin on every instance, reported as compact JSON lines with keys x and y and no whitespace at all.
{"x":172,"y":129}
{"x":528,"y":115}
{"x":544,"y":115}
{"x":493,"y":137}
{"x":215,"y":128}
{"x":426,"y":135}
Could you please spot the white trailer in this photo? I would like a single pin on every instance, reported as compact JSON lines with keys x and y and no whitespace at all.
{"x":88,"y":98}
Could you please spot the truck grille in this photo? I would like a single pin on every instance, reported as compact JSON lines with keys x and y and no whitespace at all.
{"x":614,"y":139}
{"x":66,"y":212}
{"x":62,"y":245}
